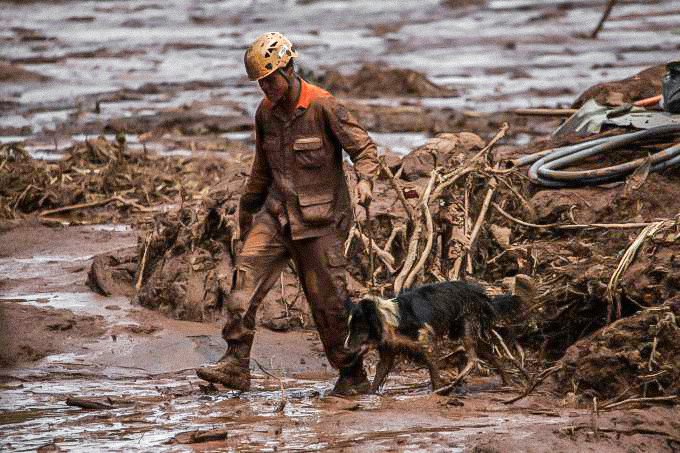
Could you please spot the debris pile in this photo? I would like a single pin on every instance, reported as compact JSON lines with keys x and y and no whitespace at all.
{"x":183,"y":265}
{"x":97,"y":174}
{"x":185,"y":261}
{"x":634,"y":357}
{"x":373,"y":80}
{"x":598,"y":265}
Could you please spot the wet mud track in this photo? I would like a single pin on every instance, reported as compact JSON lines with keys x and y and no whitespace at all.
{"x":139,"y":366}
{"x":160,"y":411}
{"x":175,"y":68}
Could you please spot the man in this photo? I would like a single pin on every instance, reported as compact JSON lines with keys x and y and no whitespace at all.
{"x":296,"y":205}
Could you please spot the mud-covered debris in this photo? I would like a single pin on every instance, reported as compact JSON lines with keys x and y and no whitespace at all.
{"x":197,"y":437}
{"x":283,"y":324}
{"x":445,"y":150}
{"x":654,"y":275}
{"x":185,"y":262}
{"x":29,"y":333}
{"x":643,"y":85}
{"x":85,"y":403}
{"x":112,"y":274}
{"x":97,"y":175}
{"x":374,"y":80}
{"x":635,"y":356}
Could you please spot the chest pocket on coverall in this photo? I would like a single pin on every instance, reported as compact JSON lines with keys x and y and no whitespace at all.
{"x":316,"y":208}
{"x":309,"y":152}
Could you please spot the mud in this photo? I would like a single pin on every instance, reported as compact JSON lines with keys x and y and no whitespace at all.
{"x":134,"y":361}
{"x":641,"y":86}
{"x":176,"y":113}
{"x":29,"y":333}
{"x":374,"y":81}
{"x":640,"y":351}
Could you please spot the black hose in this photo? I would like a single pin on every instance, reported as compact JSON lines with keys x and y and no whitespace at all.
{"x":546,"y":164}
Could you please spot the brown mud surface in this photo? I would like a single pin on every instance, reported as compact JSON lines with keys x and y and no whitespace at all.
{"x":138,"y":364}
{"x":113,"y":248}
{"x":29,"y":333}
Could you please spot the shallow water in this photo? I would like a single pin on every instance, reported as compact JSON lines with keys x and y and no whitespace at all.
{"x":35,"y":413}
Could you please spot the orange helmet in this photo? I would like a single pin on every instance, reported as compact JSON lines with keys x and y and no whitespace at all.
{"x":268,"y":53}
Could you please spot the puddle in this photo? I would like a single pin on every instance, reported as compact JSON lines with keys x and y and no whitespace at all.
{"x":161,"y":407}
{"x":88,"y":303}
{"x":114,"y":227}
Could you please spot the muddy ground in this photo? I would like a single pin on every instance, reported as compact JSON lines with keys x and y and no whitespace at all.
{"x":165,"y":78}
{"x":142,"y":362}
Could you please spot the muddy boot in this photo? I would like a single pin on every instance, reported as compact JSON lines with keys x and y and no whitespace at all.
{"x":352,"y":381}
{"x":232,"y":370}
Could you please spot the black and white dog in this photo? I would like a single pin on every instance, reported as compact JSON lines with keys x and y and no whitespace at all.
{"x":411,"y":323}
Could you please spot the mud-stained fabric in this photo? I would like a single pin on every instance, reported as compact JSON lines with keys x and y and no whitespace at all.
{"x":297,"y":173}
{"x":321,"y":268}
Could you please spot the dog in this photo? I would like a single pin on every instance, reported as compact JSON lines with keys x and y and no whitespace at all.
{"x":411,"y":323}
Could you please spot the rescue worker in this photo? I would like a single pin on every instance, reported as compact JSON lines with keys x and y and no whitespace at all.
{"x":296,"y":204}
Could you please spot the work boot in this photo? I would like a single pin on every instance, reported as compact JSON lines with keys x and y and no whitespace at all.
{"x":232,"y":370}
{"x":352,"y":381}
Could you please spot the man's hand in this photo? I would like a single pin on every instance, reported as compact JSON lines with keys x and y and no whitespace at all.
{"x":363,"y":192}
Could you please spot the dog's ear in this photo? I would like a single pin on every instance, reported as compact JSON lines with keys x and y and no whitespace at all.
{"x":370,"y":311}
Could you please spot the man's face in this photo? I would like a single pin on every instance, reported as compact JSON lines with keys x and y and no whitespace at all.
{"x":274,"y":86}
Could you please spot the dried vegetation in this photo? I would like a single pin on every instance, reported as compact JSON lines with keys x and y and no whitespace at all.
{"x":597,"y":268}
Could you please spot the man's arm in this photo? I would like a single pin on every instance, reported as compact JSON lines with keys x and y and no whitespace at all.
{"x":356,"y":142}
{"x":257,"y":186}
{"x":353,"y":138}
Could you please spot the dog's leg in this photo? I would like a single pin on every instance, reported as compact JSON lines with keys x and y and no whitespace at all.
{"x":469,"y":343}
{"x":423,"y":356}
{"x":384,"y":367}
{"x":486,"y":353}
{"x":434,"y":371}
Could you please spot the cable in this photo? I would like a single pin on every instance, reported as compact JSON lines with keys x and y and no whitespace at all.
{"x":546,"y":165}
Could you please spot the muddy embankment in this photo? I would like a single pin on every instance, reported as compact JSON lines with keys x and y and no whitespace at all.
{"x":178,"y":145}
{"x":448,"y":209}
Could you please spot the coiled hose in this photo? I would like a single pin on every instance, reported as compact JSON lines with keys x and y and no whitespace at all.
{"x":546,"y":164}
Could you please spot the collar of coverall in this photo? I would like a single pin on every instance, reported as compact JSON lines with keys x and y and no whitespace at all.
{"x":308,"y":93}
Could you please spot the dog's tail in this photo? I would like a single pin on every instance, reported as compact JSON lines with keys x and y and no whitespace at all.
{"x":506,"y":305}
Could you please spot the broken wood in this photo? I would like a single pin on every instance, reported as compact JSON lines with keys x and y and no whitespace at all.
{"x":480,"y":221}
{"x":603,"y":19}
{"x":545,"y":112}
{"x":85,"y":403}
{"x":650,"y":400}
{"x":536,"y":380}
{"x":281,"y":405}
{"x":392,"y":179}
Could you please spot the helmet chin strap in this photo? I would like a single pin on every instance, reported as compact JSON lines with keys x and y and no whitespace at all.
{"x":289,"y":79}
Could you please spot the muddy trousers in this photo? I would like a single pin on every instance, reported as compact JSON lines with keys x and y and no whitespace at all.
{"x":320,"y":265}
